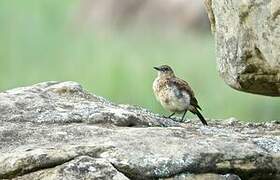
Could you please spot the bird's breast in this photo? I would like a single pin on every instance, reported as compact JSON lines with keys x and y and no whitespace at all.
{"x":170,"y":97}
{"x":156,"y":87}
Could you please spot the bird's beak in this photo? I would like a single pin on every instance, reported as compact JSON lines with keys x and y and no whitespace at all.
{"x":157,"y":68}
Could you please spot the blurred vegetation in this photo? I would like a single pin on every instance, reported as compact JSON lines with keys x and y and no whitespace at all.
{"x":42,"y":41}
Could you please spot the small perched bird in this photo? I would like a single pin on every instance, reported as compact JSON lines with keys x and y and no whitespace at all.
{"x":175,"y":94}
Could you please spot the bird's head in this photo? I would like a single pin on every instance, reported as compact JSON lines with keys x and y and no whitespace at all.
{"x":164,"y":70}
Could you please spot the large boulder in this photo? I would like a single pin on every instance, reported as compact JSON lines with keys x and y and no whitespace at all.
{"x":247,"y":36}
{"x":58,"y":130}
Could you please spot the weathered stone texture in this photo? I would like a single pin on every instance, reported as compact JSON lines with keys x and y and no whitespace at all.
{"x":247,"y":36}
{"x":58,"y":130}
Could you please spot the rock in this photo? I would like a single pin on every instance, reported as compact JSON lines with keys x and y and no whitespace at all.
{"x":83,"y":167}
{"x":57,"y":130}
{"x":247,"y":43}
{"x":205,"y":177}
{"x":67,"y":102}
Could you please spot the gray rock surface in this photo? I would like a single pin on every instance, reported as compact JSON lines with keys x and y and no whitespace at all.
{"x":58,"y":130}
{"x":247,"y":36}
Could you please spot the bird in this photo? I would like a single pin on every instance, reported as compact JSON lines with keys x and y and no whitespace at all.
{"x":175,"y":94}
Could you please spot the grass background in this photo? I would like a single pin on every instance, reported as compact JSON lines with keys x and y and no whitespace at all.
{"x":42,"y":40}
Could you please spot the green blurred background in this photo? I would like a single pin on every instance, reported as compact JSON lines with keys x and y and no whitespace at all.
{"x":48,"y":40}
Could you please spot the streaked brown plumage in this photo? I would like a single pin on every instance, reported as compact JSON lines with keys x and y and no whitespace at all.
{"x":175,"y":94}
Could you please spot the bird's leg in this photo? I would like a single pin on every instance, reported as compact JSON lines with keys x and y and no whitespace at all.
{"x":182,"y":119}
{"x":169,"y":115}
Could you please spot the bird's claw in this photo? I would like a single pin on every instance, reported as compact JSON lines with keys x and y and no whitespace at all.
{"x":166,"y":117}
{"x":172,"y":118}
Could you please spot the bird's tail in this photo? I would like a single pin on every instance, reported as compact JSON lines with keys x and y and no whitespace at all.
{"x":199,"y":115}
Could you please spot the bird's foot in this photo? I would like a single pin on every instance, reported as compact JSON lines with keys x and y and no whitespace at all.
{"x":172,"y":118}
{"x":169,"y":115}
{"x":180,"y":120}
{"x":186,"y":121}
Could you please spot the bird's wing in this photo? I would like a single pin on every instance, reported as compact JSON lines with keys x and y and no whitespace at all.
{"x":184,"y":86}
